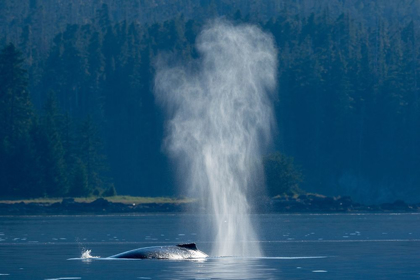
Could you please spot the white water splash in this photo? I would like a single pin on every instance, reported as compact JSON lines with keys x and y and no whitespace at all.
{"x":220,"y":120}
{"x":86,"y":255}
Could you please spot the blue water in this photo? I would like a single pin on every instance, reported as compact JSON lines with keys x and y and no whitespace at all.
{"x":342,"y":246}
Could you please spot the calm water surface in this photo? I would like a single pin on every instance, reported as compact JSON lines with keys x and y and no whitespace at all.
{"x":342,"y":246}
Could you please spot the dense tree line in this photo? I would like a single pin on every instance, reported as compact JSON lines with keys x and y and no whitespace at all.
{"x":349,"y":104}
{"x":38,"y":21}
{"x":43,"y":154}
{"x":347,"y":108}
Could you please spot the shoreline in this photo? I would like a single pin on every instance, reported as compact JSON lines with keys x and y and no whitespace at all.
{"x":303,"y":204}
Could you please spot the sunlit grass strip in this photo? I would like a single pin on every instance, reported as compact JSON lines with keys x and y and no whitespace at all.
{"x":140,"y":199}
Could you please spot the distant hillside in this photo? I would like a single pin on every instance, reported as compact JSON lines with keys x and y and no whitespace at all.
{"x":41,"y":20}
{"x":347,"y":106}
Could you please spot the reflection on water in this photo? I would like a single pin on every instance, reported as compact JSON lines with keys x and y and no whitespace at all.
{"x":226,"y":268}
{"x":208,"y":268}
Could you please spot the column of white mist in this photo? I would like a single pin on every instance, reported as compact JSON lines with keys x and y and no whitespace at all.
{"x":220,"y":119}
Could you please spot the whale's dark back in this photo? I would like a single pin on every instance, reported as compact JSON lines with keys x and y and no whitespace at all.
{"x":180,"y":251}
{"x":190,"y":246}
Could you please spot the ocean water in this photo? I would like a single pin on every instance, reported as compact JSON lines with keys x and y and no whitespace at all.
{"x":337,"y":246}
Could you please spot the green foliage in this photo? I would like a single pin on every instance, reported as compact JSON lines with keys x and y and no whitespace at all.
{"x":110,"y":191}
{"x":281,"y":175}
{"x":348,"y":104}
{"x":79,"y":185}
{"x":16,"y":122}
{"x":96,"y":192}
{"x":90,"y":153}
{"x":15,"y":106}
{"x":38,"y":154}
{"x":50,"y":151}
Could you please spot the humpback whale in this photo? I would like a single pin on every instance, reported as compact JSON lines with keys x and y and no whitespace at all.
{"x":180,"y":251}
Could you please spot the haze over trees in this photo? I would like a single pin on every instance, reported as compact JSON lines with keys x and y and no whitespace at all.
{"x":348,"y":107}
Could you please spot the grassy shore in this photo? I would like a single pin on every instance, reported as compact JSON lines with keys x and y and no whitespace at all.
{"x":126,"y":199}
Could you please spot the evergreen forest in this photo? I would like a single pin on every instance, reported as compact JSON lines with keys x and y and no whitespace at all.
{"x":78,"y":115}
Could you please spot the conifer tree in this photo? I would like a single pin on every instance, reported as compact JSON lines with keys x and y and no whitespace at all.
{"x":90,"y":152}
{"x":15,"y":106}
{"x":281,"y":175}
{"x":16,"y":121}
{"x":50,"y":150}
{"x":79,"y":181}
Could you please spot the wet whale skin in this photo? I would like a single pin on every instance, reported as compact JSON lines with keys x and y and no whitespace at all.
{"x":180,"y":251}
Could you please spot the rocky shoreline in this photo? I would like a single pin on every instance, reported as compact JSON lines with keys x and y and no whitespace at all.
{"x":320,"y":204}
{"x":288,"y":204}
{"x":68,"y":206}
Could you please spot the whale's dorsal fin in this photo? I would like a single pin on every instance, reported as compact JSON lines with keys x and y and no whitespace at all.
{"x":190,"y":246}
